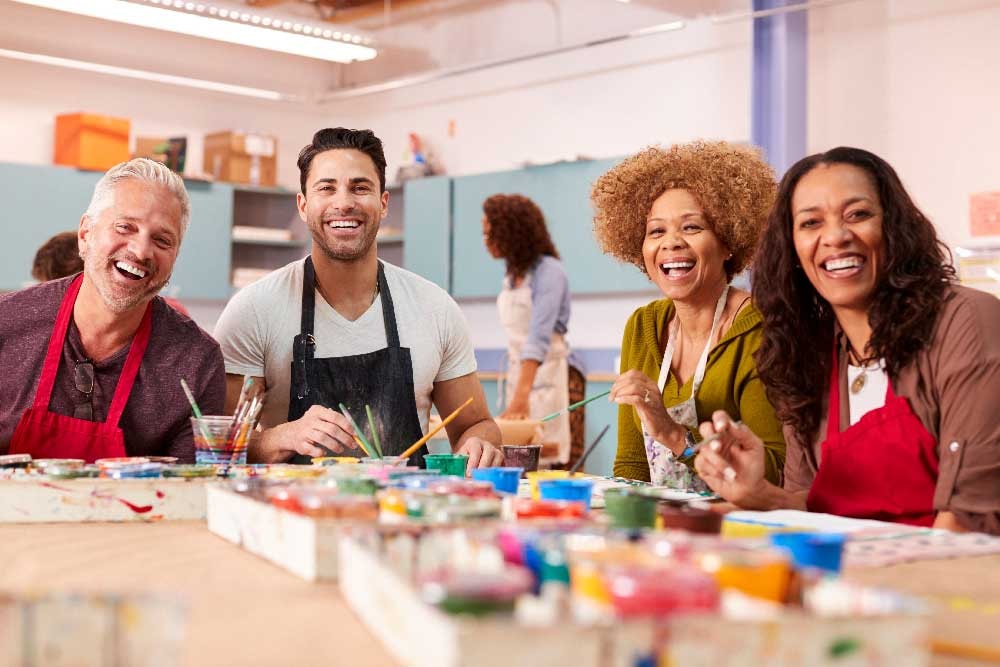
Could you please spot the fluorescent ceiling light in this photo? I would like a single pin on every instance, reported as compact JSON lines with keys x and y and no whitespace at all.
{"x":149,"y":76}
{"x":222,"y":25}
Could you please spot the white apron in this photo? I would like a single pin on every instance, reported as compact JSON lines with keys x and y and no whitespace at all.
{"x":664,"y":468}
{"x":550,"y":392}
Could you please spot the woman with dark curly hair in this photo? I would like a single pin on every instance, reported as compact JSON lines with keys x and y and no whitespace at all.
{"x":884,"y":372}
{"x":689,"y":217}
{"x":534,"y":305}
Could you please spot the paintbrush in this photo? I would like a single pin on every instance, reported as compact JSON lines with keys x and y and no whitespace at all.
{"x":412,"y":449}
{"x":371,"y":425}
{"x":579,"y":464}
{"x":579,"y":404}
{"x":729,"y":473}
{"x":360,"y":436}
{"x":197,"y":412}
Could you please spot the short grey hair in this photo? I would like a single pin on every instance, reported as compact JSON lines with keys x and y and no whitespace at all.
{"x":140,"y":169}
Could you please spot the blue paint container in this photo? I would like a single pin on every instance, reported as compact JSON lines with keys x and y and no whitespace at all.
{"x":819,"y":550}
{"x":578,"y":490}
{"x":504,"y":480}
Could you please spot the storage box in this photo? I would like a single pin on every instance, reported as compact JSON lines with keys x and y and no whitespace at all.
{"x":302,"y":545}
{"x":91,"y":141}
{"x":31,"y":499}
{"x":171,"y":152}
{"x":242,"y":157}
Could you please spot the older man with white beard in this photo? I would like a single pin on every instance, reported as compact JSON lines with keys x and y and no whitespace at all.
{"x":92,"y":363}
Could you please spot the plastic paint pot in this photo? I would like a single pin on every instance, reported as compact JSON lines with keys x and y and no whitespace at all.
{"x":384,"y":461}
{"x":525,"y":508}
{"x":819,"y":550}
{"x":691,"y":519}
{"x":535,"y":476}
{"x":504,"y":480}
{"x":628,"y":509}
{"x":522,"y":456}
{"x":448,"y":464}
{"x":190,"y":470}
{"x":638,"y":591}
{"x":578,"y":490}
{"x":15,"y":461}
{"x":136,"y":471}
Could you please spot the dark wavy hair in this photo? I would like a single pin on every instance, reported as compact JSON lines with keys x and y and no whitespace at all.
{"x":794,"y":357}
{"x":517,"y":231}
{"x":332,"y":138}
{"x":57,"y":258}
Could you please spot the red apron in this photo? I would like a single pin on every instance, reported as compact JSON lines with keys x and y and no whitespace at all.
{"x":45,"y":434}
{"x":884,"y":467}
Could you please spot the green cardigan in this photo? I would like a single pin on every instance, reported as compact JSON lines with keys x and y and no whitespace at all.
{"x":730,"y":384}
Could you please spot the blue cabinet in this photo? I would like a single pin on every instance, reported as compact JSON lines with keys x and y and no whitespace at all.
{"x":561,"y":190}
{"x":427,"y":228}
{"x":40,"y":201}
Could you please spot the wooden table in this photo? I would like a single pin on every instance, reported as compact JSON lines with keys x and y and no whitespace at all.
{"x":246,"y":611}
{"x":964,"y":594}
{"x":243,"y":610}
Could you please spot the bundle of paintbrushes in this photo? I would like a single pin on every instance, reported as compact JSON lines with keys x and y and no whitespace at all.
{"x":244,"y":420}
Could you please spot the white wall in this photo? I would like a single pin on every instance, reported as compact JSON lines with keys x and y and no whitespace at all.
{"x":33,"y":94}
{"x":603,"y":101}
{"x":916,"y":82}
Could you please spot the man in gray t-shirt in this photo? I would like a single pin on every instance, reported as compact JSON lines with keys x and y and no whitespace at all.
{"x":92,"y":363}
{"x":343,"y":329}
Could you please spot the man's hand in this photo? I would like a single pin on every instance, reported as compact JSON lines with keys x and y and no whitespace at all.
{"x":482,"y":454}
{"x":317,"y":433}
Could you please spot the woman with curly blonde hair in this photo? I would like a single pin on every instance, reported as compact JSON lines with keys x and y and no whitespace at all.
{"x":534,"y":305}
{"x":689,"y":217}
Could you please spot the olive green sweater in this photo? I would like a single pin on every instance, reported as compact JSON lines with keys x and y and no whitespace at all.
{"x":730,"y":384}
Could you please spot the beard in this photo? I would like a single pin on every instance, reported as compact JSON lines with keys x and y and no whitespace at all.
{"x":119,"y":297}
{"x":342,"y":250}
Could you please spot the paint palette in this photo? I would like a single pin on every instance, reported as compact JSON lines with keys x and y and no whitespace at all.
{"x":39,"y":499}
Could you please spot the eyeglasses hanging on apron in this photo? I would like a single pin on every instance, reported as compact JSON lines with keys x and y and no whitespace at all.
{"x":382,"y":379}
{"x":665,"y":469}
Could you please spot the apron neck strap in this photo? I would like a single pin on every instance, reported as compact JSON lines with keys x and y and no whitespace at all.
{"x":132,"y":363}
{"x":56,"y":341}
{"x":309,"y":304}
{"x":668,"y":354}
{"x":126,"y":380}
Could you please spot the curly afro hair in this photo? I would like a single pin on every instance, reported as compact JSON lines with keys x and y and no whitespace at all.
{"x":517,"y":231}
{"x":733,"y":184}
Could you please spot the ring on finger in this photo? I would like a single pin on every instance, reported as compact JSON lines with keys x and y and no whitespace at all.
{"x":645,"y":399}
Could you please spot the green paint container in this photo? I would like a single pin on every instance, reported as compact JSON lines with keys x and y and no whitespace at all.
{"x":448,"y":464}
{"x":629,"y":509}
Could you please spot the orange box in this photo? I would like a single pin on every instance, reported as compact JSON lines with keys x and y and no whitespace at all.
{"x":241,"y":157}
{"x":91,"y":141}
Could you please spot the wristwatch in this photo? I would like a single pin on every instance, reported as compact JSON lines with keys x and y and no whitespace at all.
{"x":690,"y":446}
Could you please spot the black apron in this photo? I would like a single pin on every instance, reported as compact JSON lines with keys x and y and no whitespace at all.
{"x":381,"y":379}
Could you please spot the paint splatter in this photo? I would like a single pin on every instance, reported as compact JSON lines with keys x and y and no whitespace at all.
{"x":138,"y":509}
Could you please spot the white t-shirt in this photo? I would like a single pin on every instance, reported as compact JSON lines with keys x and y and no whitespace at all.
{"x":872,"y":394}
{"x":259,"y":323}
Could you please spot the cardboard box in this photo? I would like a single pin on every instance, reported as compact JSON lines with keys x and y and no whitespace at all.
{"x":171,"y":152}
{"x":242,"y":157}
{"x":91,"y":141}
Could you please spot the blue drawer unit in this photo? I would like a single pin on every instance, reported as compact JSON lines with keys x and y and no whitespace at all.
{"x":562,"y":191}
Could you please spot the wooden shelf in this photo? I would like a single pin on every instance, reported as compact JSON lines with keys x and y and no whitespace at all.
{"x":262,"y":190}
{"x":293,"y":243}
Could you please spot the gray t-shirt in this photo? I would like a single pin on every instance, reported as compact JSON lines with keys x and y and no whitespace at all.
{"x":259,"y":323}
{"x":156,"y":421}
